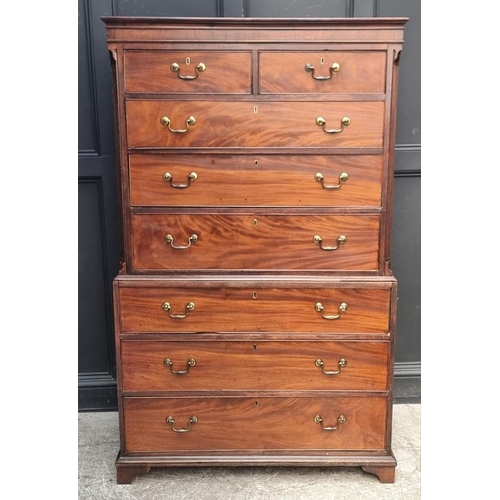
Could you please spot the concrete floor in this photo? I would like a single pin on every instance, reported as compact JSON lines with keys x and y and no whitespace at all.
{"x":98,"y":446}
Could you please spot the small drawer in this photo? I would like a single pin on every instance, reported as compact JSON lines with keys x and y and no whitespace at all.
{"x":327,"y":72}
{"x":161,"y":308}
{"x":171,"y":124}
{"x":255,"y":180}
{"x":254,"y":365}
{"x":169,"y":425}
{"x":166,"y":242}
{"x":188,"y":72}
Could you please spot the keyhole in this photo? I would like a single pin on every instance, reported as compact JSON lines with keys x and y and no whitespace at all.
{"x":322,"y":60}
{"x":255,"y":222}
{"x":188,"y":60}
{"x":256,"y":403}
{"x":255,"y":347}
{"x":256,"y":163}
{"x":256,"y":109}
{"x":254,"y":295}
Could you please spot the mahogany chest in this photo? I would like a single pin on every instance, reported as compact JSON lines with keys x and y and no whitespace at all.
{"x":255,"y":308}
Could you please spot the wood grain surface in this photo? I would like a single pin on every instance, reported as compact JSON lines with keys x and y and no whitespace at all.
{"x":260,"y":423}
{"x":285,"y":73}
{"x":255,"y":180}
{"x":254,"y":365}
{"x":226,"y":72}
{"x":236,"y":124}
{"x":256,"y":241}
{"x":236,"y":310}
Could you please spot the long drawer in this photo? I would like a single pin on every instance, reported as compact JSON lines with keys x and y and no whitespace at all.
{"x":255,"y":241}
{"x":171,"y":124}
{"x":215,"y":308}
{"x":260,"y":423}
{"x":254,"y":365}
{"x":255,"y":180}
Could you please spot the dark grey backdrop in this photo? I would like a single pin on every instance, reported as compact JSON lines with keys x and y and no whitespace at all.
{"x":98,"y":206}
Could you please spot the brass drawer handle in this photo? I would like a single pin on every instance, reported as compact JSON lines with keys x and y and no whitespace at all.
{"x":320,"y":364}
{"x":333,"y":69}
{"x":341,"y":240}
{"x":199,"y":68}
{"x":165,"y":121}
{"x":170,"y":421}
{"x":170,"y":239}
{"x":342,"y":309}
{"x":322,"y":122}
{"x":169,"y":364}
{"x":319,"y":420}
{"x":190,"y":306}
{"x":343,"y":177}
{"x":167,"y":177}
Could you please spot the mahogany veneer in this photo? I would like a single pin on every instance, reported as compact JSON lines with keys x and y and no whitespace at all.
{"x":252,"y":180}
{"x":255,"y":308}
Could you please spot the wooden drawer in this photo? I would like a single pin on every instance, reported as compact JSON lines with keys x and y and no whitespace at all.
{"x":254,"y":365}
{"x":254,"y":241}
{"x":236,"y":124}
{"x":223,"y":73}
{"x":356,"y":73}
{"x":259,"y":423}
{"x":255,"y":180}
{"x":253,"y":309}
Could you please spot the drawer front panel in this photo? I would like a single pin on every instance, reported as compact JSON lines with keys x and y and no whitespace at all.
{"x":356,"y":73}
{"x":254,"y":124}
{"x":207,"y":72}
{"x":220,"y":309}
{"x":255,"y":365}
{"x":255,"y":180}
{"x":246,"y":242}
{"x":260,"y":423}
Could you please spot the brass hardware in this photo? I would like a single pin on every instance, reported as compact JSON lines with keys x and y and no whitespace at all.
{"x":188,"y":61}
{"x":169,"y":364}
{"x":167,"y":177}
{"x":199,"y":68}
{"x":255,"y":222}
{"x":342,"y":309}
{"x":343,"y":177}
{"x":322,"y":60}
{"x":322,"y":122}
{"x":341,"y":240}
{"x":190,"y":306}
{"x":256,"y":109}
{"x":319,"y":420}
{"x":320,"y":364}
{"x":254,"y":295}
{"x":256,"y":163}
{"x":165,"y":121}
{"x":170,"y":239}
{"x":334,"y":68}
{"x":170,"y":421}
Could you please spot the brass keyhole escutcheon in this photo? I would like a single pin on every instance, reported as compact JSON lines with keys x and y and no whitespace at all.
{"x":322,"y":60}
{"x":256,"y":163}
{"x":255,"y":222}
{"x":188,"y":60}
{"x":254,"y":295}
{"x":256,"y":109}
